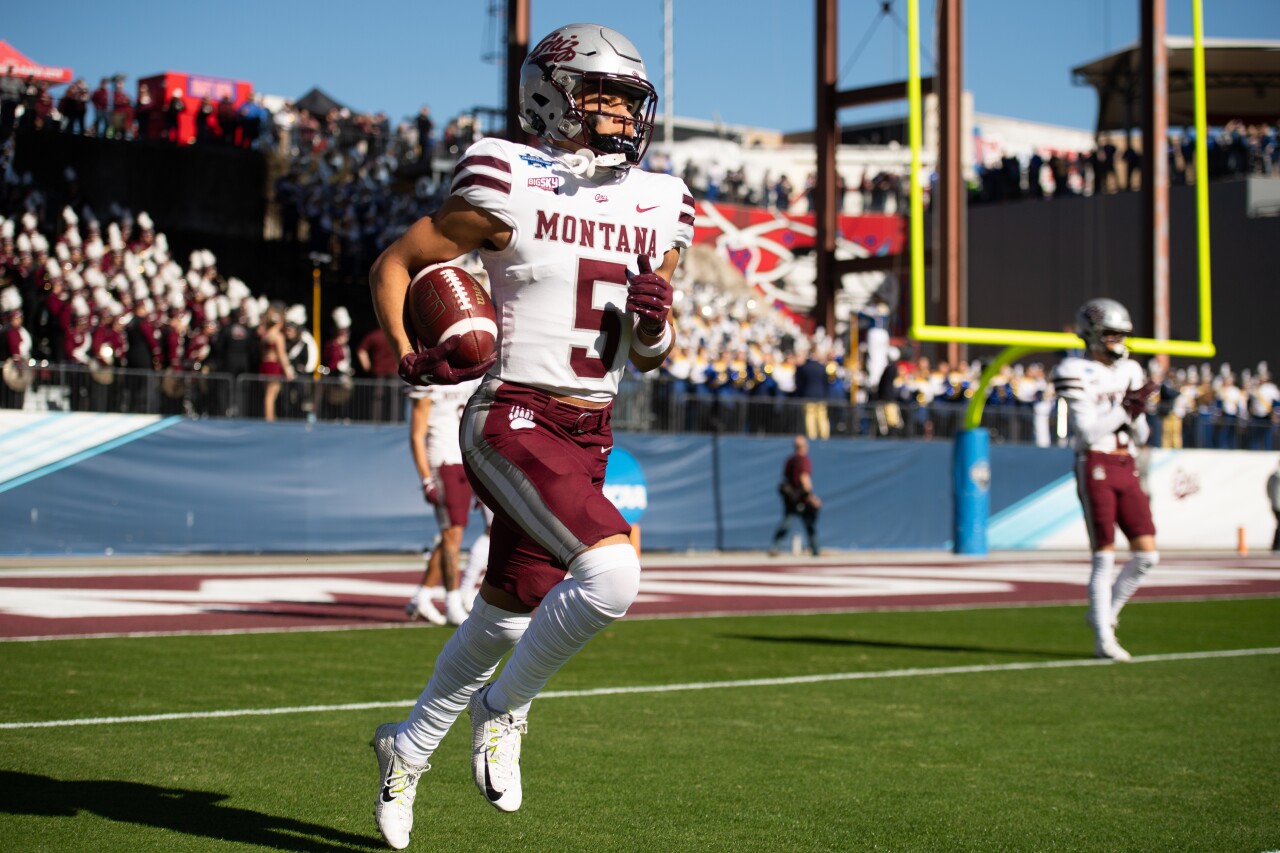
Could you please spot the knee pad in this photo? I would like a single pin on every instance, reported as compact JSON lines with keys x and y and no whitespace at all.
{"x":609,"y":578}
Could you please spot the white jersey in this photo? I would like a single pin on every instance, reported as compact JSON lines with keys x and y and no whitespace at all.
{"x":447,"y":403}
{"x":560,"y":285}
{"x":1094,"y":393}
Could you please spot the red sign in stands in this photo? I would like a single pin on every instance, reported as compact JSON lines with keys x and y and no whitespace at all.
{"x":193,"y":88}
{"x":15,"y":64}
{"x":763,"y":243}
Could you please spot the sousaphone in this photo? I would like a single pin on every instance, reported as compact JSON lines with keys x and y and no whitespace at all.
{"x":18,"y":375}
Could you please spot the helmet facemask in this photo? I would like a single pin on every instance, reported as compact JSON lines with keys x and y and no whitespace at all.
{"x":1109,"y":342}
{"x":639,"y":101}
{"x":592,"y":102}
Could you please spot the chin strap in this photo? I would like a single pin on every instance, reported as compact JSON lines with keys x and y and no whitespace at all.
{"x":585,"y":162}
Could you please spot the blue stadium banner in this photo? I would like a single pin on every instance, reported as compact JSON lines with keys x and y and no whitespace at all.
{"x":624,"y":485}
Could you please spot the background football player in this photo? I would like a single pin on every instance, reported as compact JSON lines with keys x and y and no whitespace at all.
{"x":433,"y":441}
{"x":1106,"y":402}
{"x":580,"y":246}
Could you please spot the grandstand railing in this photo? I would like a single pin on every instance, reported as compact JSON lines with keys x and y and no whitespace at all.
{"x":643,"y":405}
{"x":76,"y":388}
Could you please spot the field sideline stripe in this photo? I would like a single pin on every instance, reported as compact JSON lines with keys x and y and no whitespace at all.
{"x":660,"y":688}
{"x":1070,"y":600}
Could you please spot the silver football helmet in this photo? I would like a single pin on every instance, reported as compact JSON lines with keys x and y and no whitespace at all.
{"x":1100,"y":318}
{"x":575,"y":60}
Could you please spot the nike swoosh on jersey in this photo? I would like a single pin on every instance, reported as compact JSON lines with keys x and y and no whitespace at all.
{"x":640,"y":209}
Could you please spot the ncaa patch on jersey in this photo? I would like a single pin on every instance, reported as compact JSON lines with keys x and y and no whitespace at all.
{"x":1099,"y":473}
{"x":535,"y":160}
{"x":549,"y":183}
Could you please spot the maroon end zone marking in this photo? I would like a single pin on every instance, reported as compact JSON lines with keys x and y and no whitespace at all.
{"x":358,"y":608}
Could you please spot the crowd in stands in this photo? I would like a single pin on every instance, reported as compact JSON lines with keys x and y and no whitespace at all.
{"x":106,"y":291}
{"x":728,"y":352}
{"x":110,"y":294}
{"x":875,"y":191}
{"x":102,"y":295}
{"x":1195,"y":406}
{"x":1233,"y":150}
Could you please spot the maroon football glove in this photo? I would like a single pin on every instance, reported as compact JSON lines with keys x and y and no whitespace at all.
{"x":1135,"y":399}
{"x":432,"y":367}
{"x":649,"y":297}
{"x":429,"y":491}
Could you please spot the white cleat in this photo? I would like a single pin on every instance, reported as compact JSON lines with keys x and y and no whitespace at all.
{"x":495,"y":753}
{"x":1112,"y":650}
{"x":424,"y":610}
{"x":397,"y":786}
{"x":456,"y":615}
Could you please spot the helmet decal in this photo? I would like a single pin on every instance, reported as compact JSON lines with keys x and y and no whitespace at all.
{"x":556,"y":48}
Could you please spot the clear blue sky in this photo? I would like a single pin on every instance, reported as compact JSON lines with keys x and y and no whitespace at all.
{"x":737,"y":61}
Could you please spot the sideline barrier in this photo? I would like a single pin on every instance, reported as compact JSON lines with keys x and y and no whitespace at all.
{"x":74,"y":484}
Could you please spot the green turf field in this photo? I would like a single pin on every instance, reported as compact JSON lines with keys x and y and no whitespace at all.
{"x":1063,"y":754}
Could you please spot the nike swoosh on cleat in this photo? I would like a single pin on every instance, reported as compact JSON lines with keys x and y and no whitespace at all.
{"x":386,"y":794}
{"x":640,"y":209}
{"x":489,"y":791}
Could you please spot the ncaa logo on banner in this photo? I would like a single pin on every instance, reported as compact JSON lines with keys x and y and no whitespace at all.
{"x":624,"y":485}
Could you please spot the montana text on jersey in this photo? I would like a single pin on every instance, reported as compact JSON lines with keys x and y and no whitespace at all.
{"x":574,"y":242}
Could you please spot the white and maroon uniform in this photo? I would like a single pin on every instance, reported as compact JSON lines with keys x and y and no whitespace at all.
{"x":560,"y":290}
{"x":1106,"y":439}
{"x":16,"y":341}
{"x":444,"y":453}
{"x":560,"y":285}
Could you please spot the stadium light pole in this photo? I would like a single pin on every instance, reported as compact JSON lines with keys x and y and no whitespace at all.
{"x":517,"y":50}
{"x":668,"y":74}
{"x":1155,"y":167}
{"x":829,"y":99}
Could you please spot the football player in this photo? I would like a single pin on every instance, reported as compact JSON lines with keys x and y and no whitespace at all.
{"x":477,"y":559}
{"x":433,"y":440}
{"x":580,"y":246}
{"x":1106,"y":402}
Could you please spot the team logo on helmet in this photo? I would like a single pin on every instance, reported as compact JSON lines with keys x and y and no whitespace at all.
{"x":1095,"y":313}
{"x":556,"y":48}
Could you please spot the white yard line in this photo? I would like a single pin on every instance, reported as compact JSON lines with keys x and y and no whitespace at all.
{"x":659,"y":688}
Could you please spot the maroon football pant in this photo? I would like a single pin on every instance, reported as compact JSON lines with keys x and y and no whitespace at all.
{"x":1111,"y":495}
{"x":456,"y":488}
{"x":539,"y":464}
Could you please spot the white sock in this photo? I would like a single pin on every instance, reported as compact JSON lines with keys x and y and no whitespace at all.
{"x":604,"y":582}
{"x":453,"y":605}
{"x":1130,"y":578}
{"x":477,"y":562}
{"x":1100,"y":594}
{"x":465,"y":663}
{"x":435,"y":592}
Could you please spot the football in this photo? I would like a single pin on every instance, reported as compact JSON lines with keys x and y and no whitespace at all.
{"x":444,"y":301}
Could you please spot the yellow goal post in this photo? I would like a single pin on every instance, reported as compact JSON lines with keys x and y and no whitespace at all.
{"x":1039,"y":340}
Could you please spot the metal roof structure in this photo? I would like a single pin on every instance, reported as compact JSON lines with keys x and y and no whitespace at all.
{"x":1242,"y":81}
